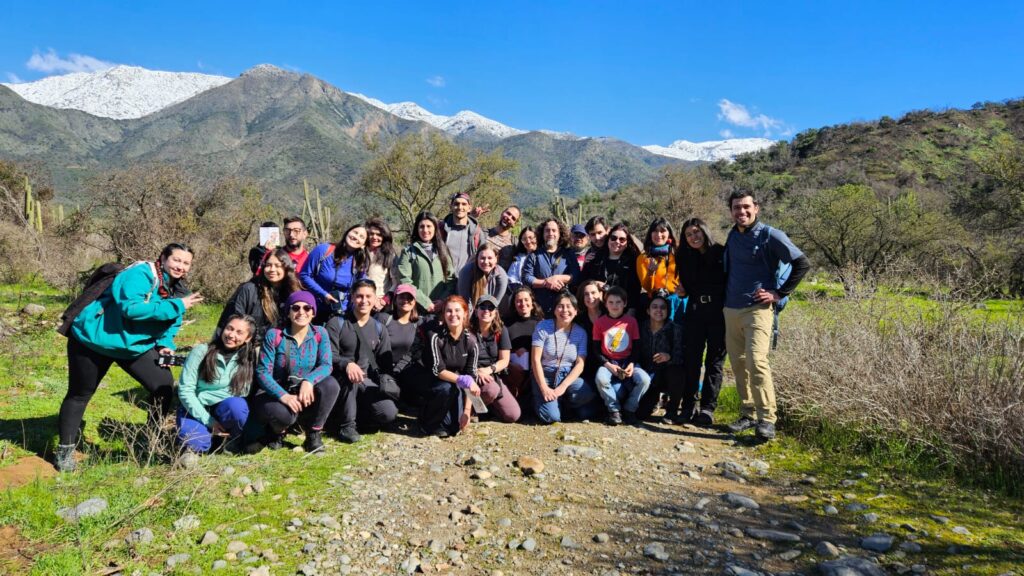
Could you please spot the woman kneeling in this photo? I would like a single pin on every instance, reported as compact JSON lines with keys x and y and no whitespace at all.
{"x":451,"y":356}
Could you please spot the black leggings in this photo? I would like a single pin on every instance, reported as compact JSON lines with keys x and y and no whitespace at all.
{"x":705,"y":327}
{"x":279,"y":417}
{"x":86,"y":369}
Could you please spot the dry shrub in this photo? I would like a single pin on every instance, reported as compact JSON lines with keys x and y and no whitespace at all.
{"x":933,"y":377}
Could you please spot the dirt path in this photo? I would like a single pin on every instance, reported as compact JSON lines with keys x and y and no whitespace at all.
{"x":621,"y":500}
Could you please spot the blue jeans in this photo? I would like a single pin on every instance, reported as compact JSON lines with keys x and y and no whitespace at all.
{"x":614,"y":390}
{"x":579,"y":398}
{"x":232,"y":414}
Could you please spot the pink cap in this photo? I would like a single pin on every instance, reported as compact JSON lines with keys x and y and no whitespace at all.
{"x":405,"y":289}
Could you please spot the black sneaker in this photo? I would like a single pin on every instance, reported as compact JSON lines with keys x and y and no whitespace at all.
{"x":275,"y":442}
{"x":314,"y":442}
{"x":349,"y":435}
{"x":630,"y":418}
{"x":704,"y":419}
{"x":614,"y":418}
{"x":765,"y":430}
{"x":668,"y":418}
{"x":744,"y":423}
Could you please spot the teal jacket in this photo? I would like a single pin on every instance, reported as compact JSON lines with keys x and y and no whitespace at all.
{"x":426,"y":274}
{"x":131,"y":317}
{"x":196,"y":394}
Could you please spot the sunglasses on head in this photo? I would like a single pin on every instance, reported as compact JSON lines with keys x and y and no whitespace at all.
{"x":301,"y":308}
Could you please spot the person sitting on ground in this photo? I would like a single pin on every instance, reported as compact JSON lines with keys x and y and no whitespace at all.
{"x":591,"y":300}
{"x":495,"y":350}
{"x":619,"y":375}
{"x":483,"y":276}
{"x":381,"y":259}
{"x":500,"y":236}
{"x":557,"y":355}
{"x":520,"y":323}
{"x":294,"y":375}
{"x":552,"y":268}
{"x":660,"y":354}
{"x":426,"y":264}
{"x":262,"y":297}
{"x":451,"y":356}
{"x":362,"y":364}
{"x":331,"y":269}
{"x":403,"y":326}
{"x":526,"y":245}
{"x":295,"y":234}
{"x":132,"y":323}
{"x":213,"y":385}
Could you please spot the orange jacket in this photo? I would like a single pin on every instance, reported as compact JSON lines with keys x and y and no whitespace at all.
{"x":657,"y":272}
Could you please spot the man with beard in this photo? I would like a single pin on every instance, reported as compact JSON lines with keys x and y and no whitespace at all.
{"x":295,"y":234}
{"x":500,"y":237}
{"x":461,"y":232}
{"x":580,"y":242}
{"x":552,"y":269}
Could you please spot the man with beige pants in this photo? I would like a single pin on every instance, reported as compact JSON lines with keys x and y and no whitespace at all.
{"x":753,"y":254}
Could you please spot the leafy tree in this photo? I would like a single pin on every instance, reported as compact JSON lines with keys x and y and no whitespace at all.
{"x":677,"y":194}
{"x":421,"y":172}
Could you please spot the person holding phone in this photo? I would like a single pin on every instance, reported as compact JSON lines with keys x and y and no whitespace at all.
{"x":132,"y":323}
{"x":294,"y":375}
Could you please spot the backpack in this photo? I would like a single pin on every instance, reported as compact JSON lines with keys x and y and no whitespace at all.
{"x":98,"y":283}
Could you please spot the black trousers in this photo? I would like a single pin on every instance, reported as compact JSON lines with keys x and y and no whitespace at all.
{"x":365,"y":404}
{"x":442,"y":408}
{"x":86,"y":369}
{"x":705,"y":329}
{"x":278,"y":417}
{"x":665,"y":379}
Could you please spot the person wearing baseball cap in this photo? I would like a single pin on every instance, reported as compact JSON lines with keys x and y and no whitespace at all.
{"x":406,"y":344}
{"x":580,"y":242}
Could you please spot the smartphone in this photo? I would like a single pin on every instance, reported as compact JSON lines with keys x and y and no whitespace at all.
{"x":270,"y":234}
{"x":478,"y":404}
{"x":170,"y":360}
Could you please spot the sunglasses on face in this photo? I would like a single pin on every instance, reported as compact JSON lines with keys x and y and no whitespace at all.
{"x":617,"y":238}
{"x":487,"y":307}
{"x":301,"y":308}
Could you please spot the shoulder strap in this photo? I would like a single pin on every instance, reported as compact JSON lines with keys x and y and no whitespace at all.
{"x":319,"y":263}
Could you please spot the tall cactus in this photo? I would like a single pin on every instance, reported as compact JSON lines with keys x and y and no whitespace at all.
{"x":33,"y":209}
{"x":319,"y":220}
{"x":563,"y":214}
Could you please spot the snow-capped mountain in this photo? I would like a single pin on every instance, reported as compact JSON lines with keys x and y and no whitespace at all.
{"x":710,"y":151}
{"x":462,"y":123}
{"x":120,"y":92}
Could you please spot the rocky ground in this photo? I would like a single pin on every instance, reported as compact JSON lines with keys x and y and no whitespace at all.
{"x":582,"y":499}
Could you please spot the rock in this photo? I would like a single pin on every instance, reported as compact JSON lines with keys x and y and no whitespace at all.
{"x":734,"y":570}
{"x":601,"y":538}
{"x":177,"y":559}
{"x":269,"y":555}
{"x":702,"y":503}
{"x":186,"y":523}
{"x":259,"y":486}
{"x":475,"y":460}
{"x":140,"y":536}
{"x":686,"y":448}
{"x":790,"y":555}
{"x":480,"y":475}
{"x":760,"y":466}
{"x":795,"y":498}
{"x":436,"y":546}
{"x":910,"y":547}
{"x":505,"y":522}
{"x":236,"y":546}
{"x":850,"y":566}
{"x":772,"y":535}
{"x":830,"y":510}
{"x":261,"y":571}
{"x":33,"y":309}
{"x":551,"y":530}
{"x":877,"y":542}
{"x":826,"y":549}
{"x":733,"y":467}
{"x":961,"y":531}
{"x":310,"y":569}
{"x":209,"y":538}
{"x":530,"y":465}
{"x":657,"y":551}
{"x":856,"y":507}
{"x":529,"y":545}
{"x":410,"y":565}
{"x":809,"y":480}
{"x":692,"y":474}
{"x":219,"y":564}
{"x":870,"y":518}
{"x":740,"y":501}
{"x":188,"y":460}
{"x":90,"y":507}
{"x":569,"y":543}
{"x":939,"y":519}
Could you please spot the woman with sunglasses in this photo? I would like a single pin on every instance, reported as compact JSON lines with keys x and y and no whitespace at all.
{"x":262,"y":297}
{"x":330,"y":270}
{"x":615,"y":265}
{"x":132,"y":323}
{"x":452,"y":355}
{"x":495,"y":351}
{"x":426,"y":264}
{"x":294,"y":375}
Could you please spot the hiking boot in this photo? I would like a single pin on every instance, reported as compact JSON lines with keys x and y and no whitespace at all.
{"x":669,"y":417}
{"x":744,"y":423}
{"x":765,"y":430}
{"x":614,"y":418}
{"x":349,"y":435}
{"x":314,"y":442}
{"x":269,"y":441}
{"x":630,"y":418}
{"x":704,"y":419}
{"x":64,"y":460}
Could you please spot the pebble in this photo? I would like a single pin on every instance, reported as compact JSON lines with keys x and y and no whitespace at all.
{"x":826,"y":549}
{"x":856,"y":507}
{"x":236,"y":546}
{"x":734,"y":570}
{"x":219,"y":564}
{"x":209,"y":538}
{"x":90,"y":507}
{"x":188,"y":460}
{"x":877,"y":542}
{"x":702,"y":503}
{"x":187,"y":522}
{"x":760,"y":466}
{"x":910,"y":547}
{"x":686,"y":448}
{"x":261,"y":571}
{"x":961,"y":531}
{"x":870,"y":518}
{"x":530,"y":465}
{"x":480,"y":475}
{"x":830,"y":510}
{"x":850,"y":566}
{"x":529,"y":545}
{"x":790,"y":555}
{"x":140,"y":536}
{"x":33,"y":309}
{"x":809,"y":480}
{"x":581,"y":451}
{"x":601,"y":537}
{"x":569,"y":543}
{"x":939,"y":519}
{"x":176,"y":559}
{"x":731,"y":466}
{"x":740,"y":501}
{"x":657,"y":551}
{"x":772,"y":535}
{"x":505,"y":522}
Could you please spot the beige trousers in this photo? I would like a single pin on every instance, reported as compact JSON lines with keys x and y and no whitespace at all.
{"x":748,"y":338}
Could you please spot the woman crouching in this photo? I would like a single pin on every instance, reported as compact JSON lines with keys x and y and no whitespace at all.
{"x":451,"y":356}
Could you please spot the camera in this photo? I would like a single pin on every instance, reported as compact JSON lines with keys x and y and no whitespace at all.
{"x":170,"y":360}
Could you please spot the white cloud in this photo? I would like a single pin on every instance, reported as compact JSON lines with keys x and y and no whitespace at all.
{"x":51,"y":63}
{"x":726,"y":133}
{"x":14,"y":78}
{"x":436,"y":81}
{"x":738,"y":115}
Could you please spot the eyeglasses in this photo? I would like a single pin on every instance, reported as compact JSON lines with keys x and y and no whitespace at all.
{"x":617,"y":238}
{"x":293,"y":230}
{"x":486,"y":306}
{"x":301,"y":308}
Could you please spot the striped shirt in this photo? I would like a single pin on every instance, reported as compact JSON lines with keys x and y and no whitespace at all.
{"x":310,"y":360}
{"x":556,"y":343}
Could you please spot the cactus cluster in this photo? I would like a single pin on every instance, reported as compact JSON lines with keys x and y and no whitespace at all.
{"x":563,"y":214}
{"x":317,"y":221}
{"x":33,"y":210}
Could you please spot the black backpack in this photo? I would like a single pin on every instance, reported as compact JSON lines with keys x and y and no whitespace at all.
{"x":94,"y":287}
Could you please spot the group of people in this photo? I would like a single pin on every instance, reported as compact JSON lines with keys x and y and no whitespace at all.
{"x":462,"y":322}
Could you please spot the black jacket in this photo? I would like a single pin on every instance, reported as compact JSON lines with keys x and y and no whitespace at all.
{"x":346,"y":347}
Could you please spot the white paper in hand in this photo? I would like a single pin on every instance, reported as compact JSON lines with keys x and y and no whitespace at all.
{"x":478,"y":404}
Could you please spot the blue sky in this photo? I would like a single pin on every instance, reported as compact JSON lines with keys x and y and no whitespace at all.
{"x":646,"y":72}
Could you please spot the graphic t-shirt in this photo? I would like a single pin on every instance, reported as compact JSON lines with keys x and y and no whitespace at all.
{"x":616,"y":336}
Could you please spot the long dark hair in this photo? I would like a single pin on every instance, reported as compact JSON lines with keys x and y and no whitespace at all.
{"x":496,"y":326}
{"x":659,"y":222}
{"x":359,"y":255}
{"x":629,"y":252}
{"x":386,"y":255}
{"x":159,"y":265}
{"x":438,"y":245}
{"x":271,"y":297}
{"x":520,"y":247}
{"x":538,"y":314}
{"x":709,"y":241}
{"x":247,"y":353}
{"x":563,"y":234}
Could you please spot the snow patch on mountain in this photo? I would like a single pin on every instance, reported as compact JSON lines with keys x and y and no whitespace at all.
{"x":120,"y":92}
{"x":711,"y":151}
{"x":464,"y":122}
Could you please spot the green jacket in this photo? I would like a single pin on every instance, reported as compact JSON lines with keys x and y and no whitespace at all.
{"x":131,"y":317}
{"x":426,"y":274}
{"x":196,"y":394}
